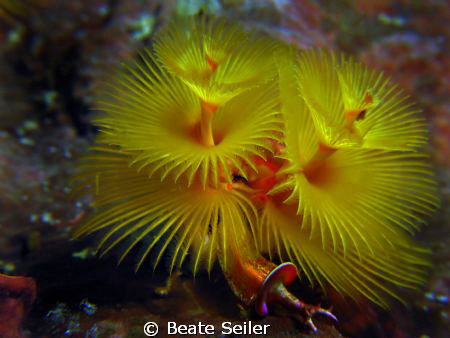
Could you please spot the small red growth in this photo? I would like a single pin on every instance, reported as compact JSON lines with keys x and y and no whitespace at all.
{"x":16,"y":294}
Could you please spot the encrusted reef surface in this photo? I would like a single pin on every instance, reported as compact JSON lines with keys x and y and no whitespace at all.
{"x":53,"y":57}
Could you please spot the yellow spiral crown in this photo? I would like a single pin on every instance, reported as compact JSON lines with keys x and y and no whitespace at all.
{"x":221,"y":138}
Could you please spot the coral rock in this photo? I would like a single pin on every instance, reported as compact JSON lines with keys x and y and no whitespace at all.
{"x":16,"y":294}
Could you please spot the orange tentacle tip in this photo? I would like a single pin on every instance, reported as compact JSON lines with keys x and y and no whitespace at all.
{"x":211,"y":63}
{"x":284,"y":273}
{"x":274,"y":290}
{"x":209,"y":107}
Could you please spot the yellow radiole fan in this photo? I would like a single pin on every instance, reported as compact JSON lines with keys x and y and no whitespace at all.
{"x":227,"y":146}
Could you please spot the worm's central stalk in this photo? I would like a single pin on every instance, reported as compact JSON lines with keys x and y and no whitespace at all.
{"x":318,"y":161}
{"x":259,"y":282}
{"x":208,"y":110}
